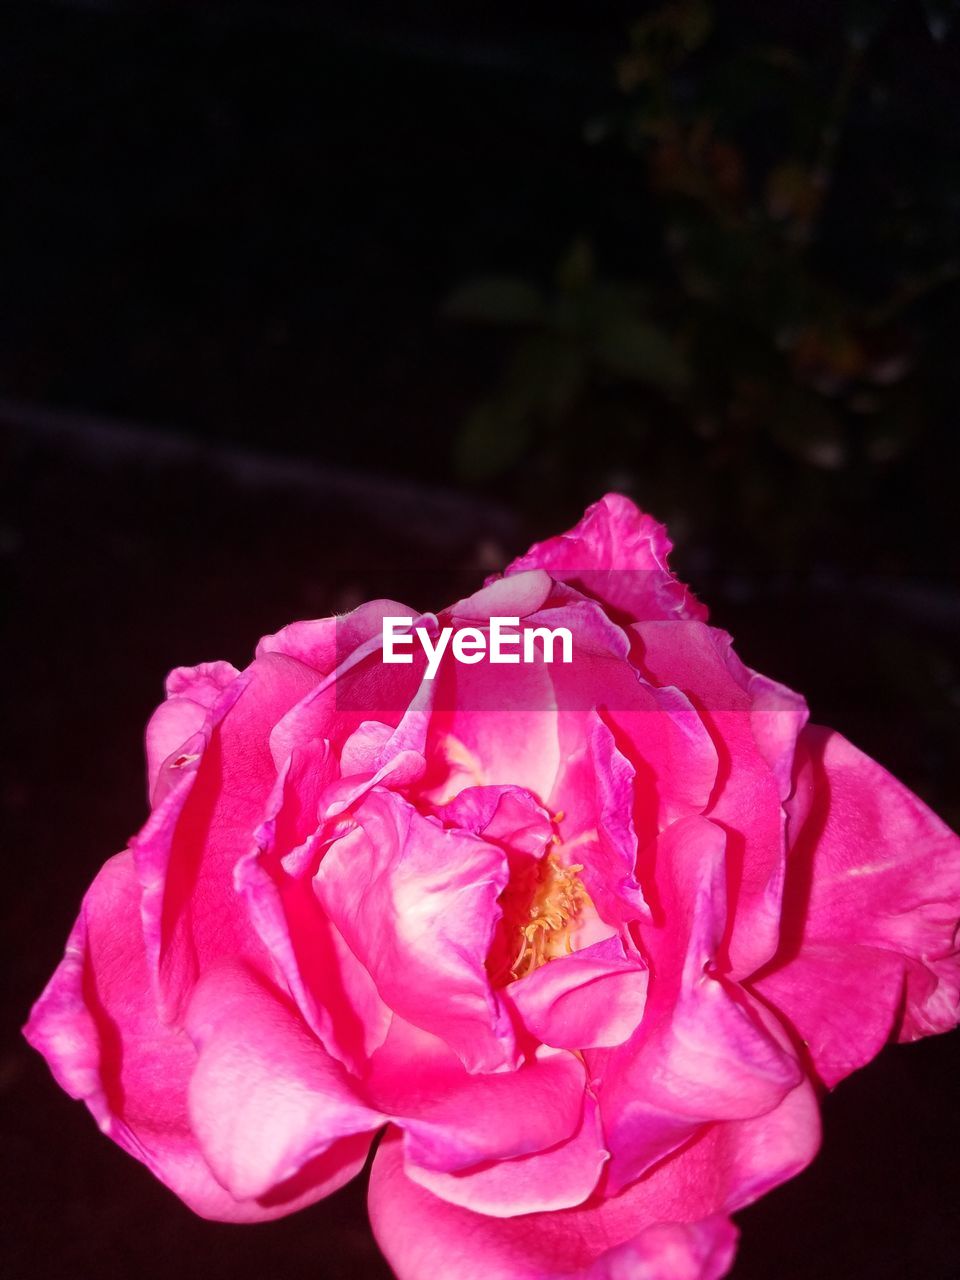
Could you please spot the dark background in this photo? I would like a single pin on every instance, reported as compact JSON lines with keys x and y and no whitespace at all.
{"x":297,"y":296}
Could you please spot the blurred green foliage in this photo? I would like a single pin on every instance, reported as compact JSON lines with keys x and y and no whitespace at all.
{"x":779,"y":326}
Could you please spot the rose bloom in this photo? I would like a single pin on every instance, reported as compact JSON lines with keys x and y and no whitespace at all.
{"x":579,"y":943}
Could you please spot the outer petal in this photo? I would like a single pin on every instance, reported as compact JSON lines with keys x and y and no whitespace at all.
{"x":425,"y":1238}
{"x":872,"y":898}
{"x":265,"y":1099}
{"x":186,"y":853}
{"x":754,"y":723}
{"x":702,"y":1052}
{"x":192,"y":692}
{"x":333,"y":991}
{"x":669,"y":1225}
{"x":618,"y":555}
{"x":433,"y":895}
{"x":98,"y":1029}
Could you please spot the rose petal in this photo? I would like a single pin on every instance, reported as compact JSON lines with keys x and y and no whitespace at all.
{"x":97,"y":1026}
{"x":331,"y":988}
{"x":592,"y":999}
{"x":618,"y":555}
{"x":558,"y":1178}
{"x":433,"y":894}
{"x":265,"y":1098}
{"x":186,"y":853}
{"x":754,"y":723}
{"x":192,"y":692}
{"x":872,"y":898}
{"x":455,"y":1120}
{"x":423,"y":1236}
{"x":702,"y":1052}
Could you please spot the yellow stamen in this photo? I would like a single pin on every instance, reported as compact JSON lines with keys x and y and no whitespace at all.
{"x":557,"y":900}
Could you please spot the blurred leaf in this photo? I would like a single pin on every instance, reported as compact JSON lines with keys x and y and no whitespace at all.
{"x":576,"y":267}
{"x":546,"y":375}
{"x":493,"y":437}
{"x":496,"y":300}
{"x":643,"y":352}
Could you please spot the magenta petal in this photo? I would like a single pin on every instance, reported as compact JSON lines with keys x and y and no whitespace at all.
{"x":558,"y":1178}
{"x":426,"y":1238}
{"x":671,"y":1251}
{"x":754,"y":723}
{"x":186,"y":853}
{"x":592,"y":999}
{"x":333,"y":991}
{"x":433,"y":893}
{"x":841,"y":1001}
{"x":454,"y":1119}
{"x":871,"y":906}
{"x":265,"y":1098}
{"x":618,"y":555}
{"x":506,"y":815}
{"x":98,"y":1029}
{"x":702,"y":1052}
{"x":192,"y":692}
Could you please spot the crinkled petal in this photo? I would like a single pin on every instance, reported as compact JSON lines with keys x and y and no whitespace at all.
{"x":192,"y":692}
{"x":618,"y":555}
{"x":432,"y":893}
{"x":331,"y":988}
{"x":592,"y":999}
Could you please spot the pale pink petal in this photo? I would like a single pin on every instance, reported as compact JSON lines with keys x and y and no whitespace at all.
{"x":322,"y":643}
{"x":514,"y":597}
{"x":433,"y":894}
{"x":97,"y":1026}
{"x":491,"y":732}
{"x":593,"y":998}
{"x":265,"y":1097}
{"x":618,"y":555}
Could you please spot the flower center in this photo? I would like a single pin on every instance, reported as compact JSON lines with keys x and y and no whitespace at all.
{"x":558,"y":898}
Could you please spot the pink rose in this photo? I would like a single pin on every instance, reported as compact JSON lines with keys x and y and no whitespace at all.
{"x":584,"y":939}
